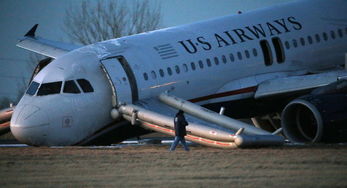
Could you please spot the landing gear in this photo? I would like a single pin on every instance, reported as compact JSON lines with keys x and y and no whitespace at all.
{"x":270,"y":122}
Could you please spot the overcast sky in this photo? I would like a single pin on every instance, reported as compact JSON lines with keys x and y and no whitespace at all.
{"x":18,"y":16}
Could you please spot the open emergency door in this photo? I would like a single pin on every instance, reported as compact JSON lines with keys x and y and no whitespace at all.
{"x":119,"y":80}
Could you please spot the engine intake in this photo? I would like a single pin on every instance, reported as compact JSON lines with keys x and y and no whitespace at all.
{"x":316,"y":118}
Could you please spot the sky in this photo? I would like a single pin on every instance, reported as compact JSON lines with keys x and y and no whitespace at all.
{"x":18,"y":16}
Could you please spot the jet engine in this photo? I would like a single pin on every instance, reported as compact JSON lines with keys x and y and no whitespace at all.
{"x":316,"y":118}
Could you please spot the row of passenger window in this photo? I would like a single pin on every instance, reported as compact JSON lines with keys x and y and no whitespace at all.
{"x":201,"y":64}
{"x":55,"y":87}
{"x":316,"y":38}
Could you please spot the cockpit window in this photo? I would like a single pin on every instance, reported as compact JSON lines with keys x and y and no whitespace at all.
{"x":32,"y":88}
{"x":49,"y":88}
{"x":85,"y":85}
{"x":71,"y":87}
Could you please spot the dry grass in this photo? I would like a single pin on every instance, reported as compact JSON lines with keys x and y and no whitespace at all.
{"x":154,"y":166}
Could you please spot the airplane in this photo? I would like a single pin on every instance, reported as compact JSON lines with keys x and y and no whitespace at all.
{"x":283,"y":66}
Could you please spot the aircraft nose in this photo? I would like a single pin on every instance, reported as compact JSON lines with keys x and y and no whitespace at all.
{"x":29,"y":125}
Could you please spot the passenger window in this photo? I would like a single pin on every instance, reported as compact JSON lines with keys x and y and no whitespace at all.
{"x":185,"y":67}
{"x":325,"y":36}
{"x":192,"y":65}
{"x":201,"y":65}
{"x":33,"y":88}
{"x":224,"y":59}
{"x":169,"y":71}
{"x":309,"y":39}
{"x":49,"y":88}
{"x":231,"y":56}
{"x":302,"y":41}
{"x":145,"y":76}
{"x":317,"y":38}
{"x":340,"y":33}
{"x":86,"y":86}
{"x":161,"y":72}
{"x":287,"y":45}
{"x":255,"y":53}
{"x":332,"y":34}
{"x":153,"y":75}
{"x":295,"y":44}
{"x":247,"y":54}
{"x":216,"y":61}
{"x":239,"y":55}
{"x":70,"y":87}
{"x":177,"y":69}
{"x":208,"y":61}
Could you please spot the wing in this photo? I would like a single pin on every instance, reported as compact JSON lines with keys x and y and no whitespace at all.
{"x":204,"y":126}
{"x":42,"y":46}
{"x":273,"y":84}
{"x":294,"y":84}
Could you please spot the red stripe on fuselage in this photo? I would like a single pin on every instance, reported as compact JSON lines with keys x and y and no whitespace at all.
{"x":225,"y":94}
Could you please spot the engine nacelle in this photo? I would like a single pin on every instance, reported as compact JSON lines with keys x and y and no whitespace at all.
{"x":316,"y":118}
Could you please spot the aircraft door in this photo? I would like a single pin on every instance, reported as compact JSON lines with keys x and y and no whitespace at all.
{"x":119,"y":80}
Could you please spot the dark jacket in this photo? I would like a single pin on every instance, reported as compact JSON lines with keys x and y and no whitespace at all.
{"x":180,"y":125}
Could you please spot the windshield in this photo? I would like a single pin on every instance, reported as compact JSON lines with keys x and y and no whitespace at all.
{"x":85,"y":85}
{"x":32,"y":88}
{"x":70,"y":87}
{"x":49,"y":88}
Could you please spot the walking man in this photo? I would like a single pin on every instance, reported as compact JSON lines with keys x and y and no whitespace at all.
{"x":180,"y":131}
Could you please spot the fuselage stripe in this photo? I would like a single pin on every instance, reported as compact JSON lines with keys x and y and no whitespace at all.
{"x":225,"y":94}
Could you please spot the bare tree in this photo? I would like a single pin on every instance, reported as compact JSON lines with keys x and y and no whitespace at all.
{"x":22,"y":86}
{"x":33,"y":66}
{"x":105,"y":20}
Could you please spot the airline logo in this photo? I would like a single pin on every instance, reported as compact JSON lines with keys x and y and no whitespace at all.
{"x":240,"y":35}
{"x":166,"y":51}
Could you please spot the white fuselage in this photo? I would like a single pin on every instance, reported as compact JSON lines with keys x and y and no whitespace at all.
{"x":203,"y":62}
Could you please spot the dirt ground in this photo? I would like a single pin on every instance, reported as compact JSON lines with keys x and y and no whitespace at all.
{"x":155,"y":166}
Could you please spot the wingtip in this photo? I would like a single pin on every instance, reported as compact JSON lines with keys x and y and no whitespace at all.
{"x":31,"y":32}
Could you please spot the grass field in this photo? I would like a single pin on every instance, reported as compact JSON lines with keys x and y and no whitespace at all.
{"x":155,"y":166}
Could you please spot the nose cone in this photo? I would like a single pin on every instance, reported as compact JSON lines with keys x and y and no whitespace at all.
{"x":29,"y":125}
